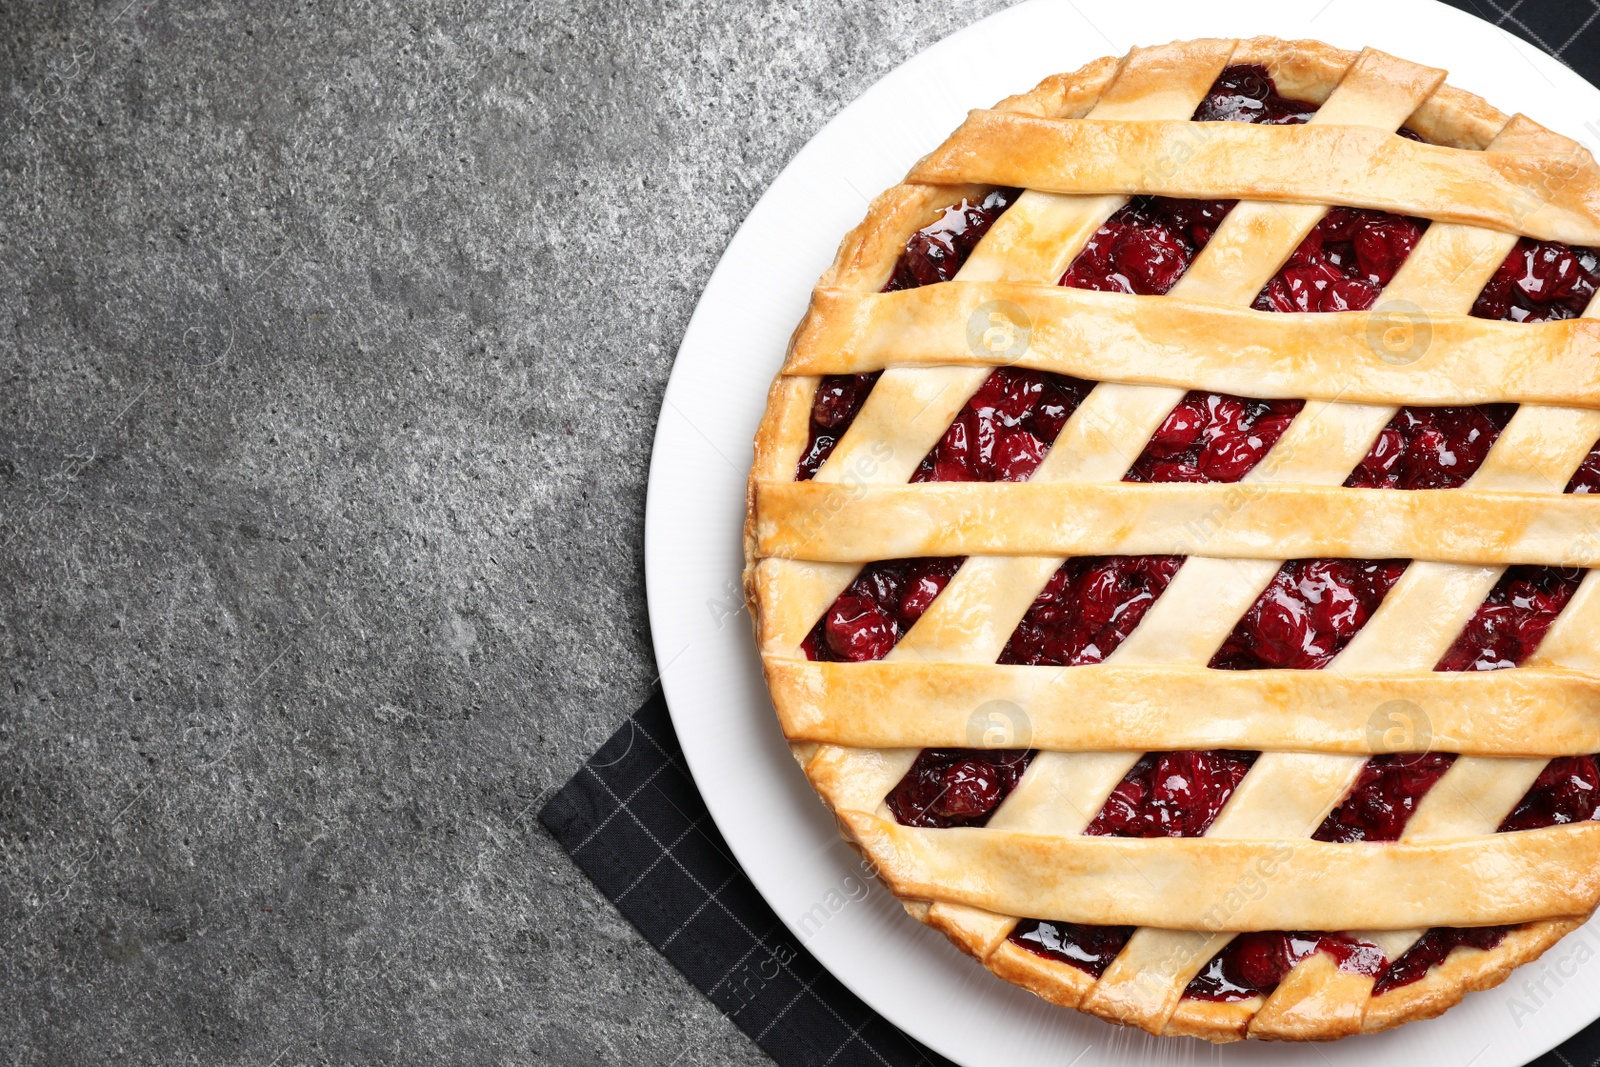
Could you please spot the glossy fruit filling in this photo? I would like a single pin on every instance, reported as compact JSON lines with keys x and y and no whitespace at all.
{"x":1213,"y":437}
{"x":949,"y":787}
{"x":1254,"y":963}
{"x":877,"y":609}
{"x":1088,"y":948}
{"x":1512,"y":619}
{"x":1431,"y":448}
{"x":1540,"y":281}
{"x":933,"y":254}
{"x":1431,"y":949}
{"x":1309,"y":612}
{"x":936,"y":252}
{"x":1344,"y":262}
{"x":1566,"y":791}
{"x":1146,"y":245}
{"x":1091,"y":604}
{"x":1171,"y":794}
{"x":839,"y":398}
{"x":1384,"y":797}
{"x":1006,"y":428}
{"x":1246,"y":92}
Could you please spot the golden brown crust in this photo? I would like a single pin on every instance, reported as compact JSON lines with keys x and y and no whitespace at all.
{"x":1164,"y":340}
{"x":1191,"y":883}
{"x":851,"y":776}
{"x":1466,"y":970}
{"x":907,"y":703}
{"x":843,"y":523}
{"x":1309,"y":163}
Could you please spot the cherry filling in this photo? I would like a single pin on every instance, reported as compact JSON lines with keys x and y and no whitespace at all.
{"x":1254,"y":963}
{"x":1432,"y":948}
{"x":1566,"y":791}
{"x":1586,"y":479}
{"x":1091,"y":604}
{"x":1344,"y":263}
{"x":936,"y":252}
{"x":1246,"y":92}
{"x":949,"y":787}
{"x":1308,"y":614}
{"x":839,"y":398}
{"x":1213,"y":437}
{"x":1431,"y":448}
{"x":1146,"y":246}
{"x":1513,"y":619}
{"x":1172,"y":794}
{"x":1540,"y":281}
{"x":1088,"y":948}
{"x":1388,"y":791}
{"x":933,"y":254}
{"x":877,"y":609}
{"x":1005,"y":429}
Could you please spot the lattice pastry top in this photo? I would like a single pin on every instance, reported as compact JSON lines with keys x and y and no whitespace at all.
{"x":1149,"y":501}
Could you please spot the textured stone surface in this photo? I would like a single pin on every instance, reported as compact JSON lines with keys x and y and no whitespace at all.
{"x":331,"y":341}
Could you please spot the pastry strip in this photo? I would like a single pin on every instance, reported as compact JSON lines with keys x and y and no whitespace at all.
{"x":805,"y":520}
{"x":1550,"y":712}
{"x":1209,"y":884}
{"x":1385,"y":356}
{"x":1554,"y":197}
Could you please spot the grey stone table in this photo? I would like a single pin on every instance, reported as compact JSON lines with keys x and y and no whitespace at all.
{"x":332,"y":343}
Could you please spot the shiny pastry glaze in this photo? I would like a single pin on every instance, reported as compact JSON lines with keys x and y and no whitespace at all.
{"x":1308,"y":613}
{"x":1314,"y":607}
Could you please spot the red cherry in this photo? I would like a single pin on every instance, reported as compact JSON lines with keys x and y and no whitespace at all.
{"x":1348,"y":294}
{"x":970,"y":790}
{"x":1281,"y":629}
{"x":1152,"y":258}
{"x":1549,"y":272}
{"x":924,"y":588}
{"x":1258,"y":959}
{"x":1382,"y":244}
{"x":1017,"y":454}
{"x":857,"y":629}
{"x":1019,"y":392}
{"x":1181,"y":429}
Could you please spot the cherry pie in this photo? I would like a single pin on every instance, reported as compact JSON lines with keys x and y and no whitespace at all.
{"x":1169,"y":540}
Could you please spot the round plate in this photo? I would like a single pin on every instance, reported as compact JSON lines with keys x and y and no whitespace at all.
{"x":776,"y":826}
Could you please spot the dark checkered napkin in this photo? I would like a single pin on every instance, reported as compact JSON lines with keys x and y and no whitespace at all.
{"x":1567,"y":29}
{"x":633,"y":820}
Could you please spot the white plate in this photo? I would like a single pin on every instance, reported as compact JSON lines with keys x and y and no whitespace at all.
{"x":776,"y":827}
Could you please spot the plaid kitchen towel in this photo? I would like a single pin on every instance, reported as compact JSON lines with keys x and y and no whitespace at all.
{"x":1567,"y":29}
{"x":633,"y":821}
